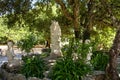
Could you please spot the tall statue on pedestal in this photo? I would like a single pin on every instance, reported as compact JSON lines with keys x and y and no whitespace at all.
{"x":55,"y":31}
{"x":10,"y":52}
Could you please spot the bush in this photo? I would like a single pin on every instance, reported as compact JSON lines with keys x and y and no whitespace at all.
{"x":78,"y":48}
{"x":73,"y":65}
{"x":99,"y":60}
{"x":3,"y":40}
{"x":27,"y":43}
{"x":68,"y":69}
{"x":33,"y":66}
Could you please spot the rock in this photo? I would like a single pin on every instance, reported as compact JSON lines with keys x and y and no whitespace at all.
{"x":46,"y":79}
{"x":98,"y":72}
{"x":10,"y":76}
{"x":13,"y":67}
{"x":88,"y":77}
{"x":3,"y":66}
{"x":33,"y":78}
{"x":3,"y":74}
{"x":6,"y":76}
{"x":19,"y":77}
{"x":97,"y":75}
{"x":46,"y":73}
{"x":100,"y":77}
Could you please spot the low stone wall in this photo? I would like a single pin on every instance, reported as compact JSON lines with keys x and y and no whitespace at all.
{"x":4,"y":75}
{"x":97,"y":75}
{"x":9,"y":71}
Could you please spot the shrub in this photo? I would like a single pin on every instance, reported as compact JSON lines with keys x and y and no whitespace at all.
{"x":68,"y":69}
{"x":33,"y":66}
{"x":99,"y":60}
{"x":3,"y":40}
{"x":27,"y":43}
{"x":78,"y":48}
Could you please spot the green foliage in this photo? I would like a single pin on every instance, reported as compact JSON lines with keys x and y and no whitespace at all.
{"x":28,"y":42}
{"x":3,"y":40}
{"x":16,"y":6}
{"x":70,"y":67}
{"x":33,"y":66}
{"x":17,"y":33}
{"x":103,"y":37}
{"x":99,"y":60}
{"x":77,"y":47}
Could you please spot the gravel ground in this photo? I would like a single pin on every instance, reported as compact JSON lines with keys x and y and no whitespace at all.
{"x":18,"y":53}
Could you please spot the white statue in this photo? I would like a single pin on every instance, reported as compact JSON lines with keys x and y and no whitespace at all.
{"x":10,"y":52}
{"x":55,"y":31}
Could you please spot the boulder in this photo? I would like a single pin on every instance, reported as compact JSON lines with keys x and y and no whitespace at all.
{"x":14,"y":66}
{"x":19,"y":77}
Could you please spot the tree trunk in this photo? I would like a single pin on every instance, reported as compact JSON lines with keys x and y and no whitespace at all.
{"x":76,"y":29}
{"x":47,"y":45}
{"x":111,"y":71}
{"x":88,"y":24}
{"x":77,"y":34}
{"x":86,"y":35}
{"x":76,"y":19}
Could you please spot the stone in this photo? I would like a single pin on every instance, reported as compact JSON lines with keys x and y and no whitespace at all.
{"x":46,"y":73}
{"x":3,"y":74}
{"x":19,"y":77}
{"x":97,"y":75}
{"x":10,"y":76}
{"x":14,"y":66}
{"x":98,"y":72}
{"x":46,"y":79}
{"x":100,"y":77}
{"x":88,"y":77}
{"x":33,"y":78}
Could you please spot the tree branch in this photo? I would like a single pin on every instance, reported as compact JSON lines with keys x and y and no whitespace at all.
{"x":64,"y":9}
{"x":115,"y":22}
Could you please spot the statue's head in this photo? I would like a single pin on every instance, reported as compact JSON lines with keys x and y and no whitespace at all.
{"x":55,"y":28}
{"x":10,"y":43}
